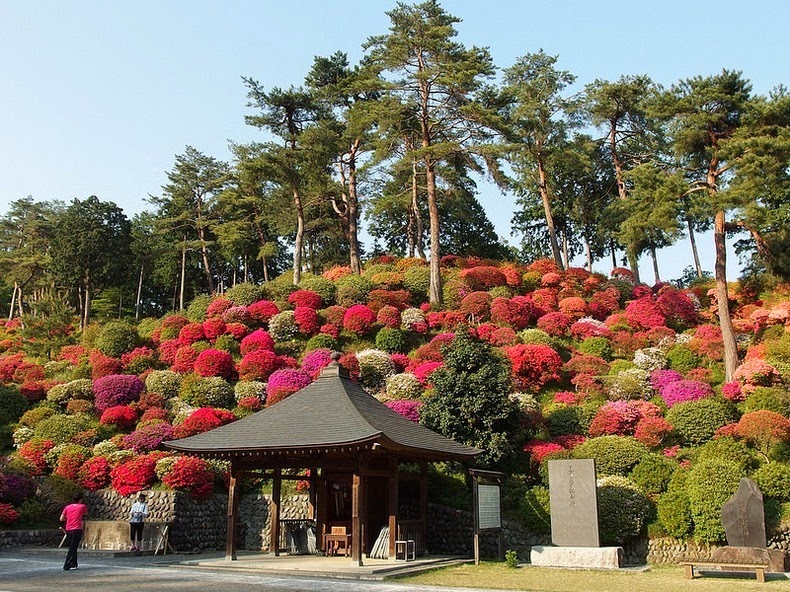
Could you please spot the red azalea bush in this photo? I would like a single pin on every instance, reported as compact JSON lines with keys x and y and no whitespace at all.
{"x":8,"y":515}
{"x":191,"y":333}
{"x":518,"y":312}
{"x":139,"y":356}
{"x":306,"y":298}
{"x":184,"y":360}
{"x":307,"y":320}
{"x":677,"y":307}
{"x":70,"y":461}
{"x":154,"y":413}
{"x":285,"y":382}
{"x":214,"y":327}
{"x":483,"y":277}
{"x":574,"y":307}
{"x":214,"y":362}
{"x":644,"y":313}
{"x":545,"y":299}
{"x":398,"y":298}
{"x":259,"y":365}
{"x":94,"y":474}
{"x":604,"y":303}
{"x":423,"y":372}
{"x":237,"y":330}
{"x":334,"y":314}
{"x":202,"y":420}
{"x":533,"y":365}
{"x":538,"y":450}
{"x":122,"y":417}
{"x":167,"y":351}
{"x":134,"y":474}
{"x":116,"y":389}
{"x":621,"y":418}
{"x":33,"y":452}
{"x":755,"y":372}
{"x":476,"y":306}
{"x":764,"y":429}
{"x":102,"y":365}
{"x":389,"y":316}
{"x":257,"y":340}
{"x":732,"y":391}
{"x":191,"y":474}
{"x":555,"y":323}
{"x":359,"y":319}
{"x":653,"y":431}
{"x":261,"y":311}
{"x":217,"y":307}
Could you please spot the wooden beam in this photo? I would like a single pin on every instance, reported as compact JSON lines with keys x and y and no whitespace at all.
{"x":232,"y":514}
{"x":274,"y":544}
{"x":357,"y":518}
{"x":424,"y":502}
{"x":392,"y":503}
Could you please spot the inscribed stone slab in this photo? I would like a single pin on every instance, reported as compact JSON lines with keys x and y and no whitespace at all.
{"x":574,"y":503}
{"x":743,"y":516}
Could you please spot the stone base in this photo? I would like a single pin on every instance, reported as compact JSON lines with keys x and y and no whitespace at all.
{"x":773,"y":558}
{"x":586,"y":557}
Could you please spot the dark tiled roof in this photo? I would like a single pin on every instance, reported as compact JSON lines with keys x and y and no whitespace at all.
{"x":331,"y":412}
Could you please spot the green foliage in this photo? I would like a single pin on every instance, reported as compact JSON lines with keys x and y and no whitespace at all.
{"x":281,"y":287}
{"x":619,"y":366}
{"x":511,"y":559}
{"x":12,"y":404}
{"x":709,"y":485}
{"x":33,"y":514}
{"x":562,"y":420}
{"x":771,"y":398}
{"x":448,"y":482}
{"x":227,"y":343}
{"x":731,"y":450}
{"x":147,"y":326}
{"x":773,"y":479}
{"x":62,"y":429}
{"x":652,"y":473}
{"x":211,"y":391}
{"x":196,"y":311}
{"x":535,"y":337}
{"x":321,"y":286}
{"x":391,"y":340}
{"x":163,"y":382}
{"x":403,"y":386}
{"x":322,"y":340}
{"x":674,"y":513}
{"x":623,"y":510}
{"x":61,"y":394}
{"x":597,"y":346}
{"x":352,"y":289}
{"x":536,"y":510}
{"x":697,"y":421}
{"x":55,"y":492}
{"x":470,"y":403}
{"x":117,"y":338}
{"x":682,"y":359}
{"x":417,"y":279}
{"x":614,"y":455}
{"x":245,"y":294}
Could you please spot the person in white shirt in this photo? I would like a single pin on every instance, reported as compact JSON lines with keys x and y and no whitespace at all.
{"x":137,"y":517}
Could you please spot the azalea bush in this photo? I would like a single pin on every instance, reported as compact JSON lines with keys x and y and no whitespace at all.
{"x":190,"y":474}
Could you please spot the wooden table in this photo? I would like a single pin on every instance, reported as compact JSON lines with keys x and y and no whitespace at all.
{"x":333,"y":543}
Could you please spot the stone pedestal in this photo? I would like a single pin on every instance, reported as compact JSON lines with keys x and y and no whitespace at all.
{"x":586,"y":557}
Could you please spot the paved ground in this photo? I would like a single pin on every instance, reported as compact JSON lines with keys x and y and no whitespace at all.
{"x":22,"y":571}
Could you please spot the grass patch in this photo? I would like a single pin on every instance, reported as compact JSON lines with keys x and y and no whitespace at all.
{"x":539,"y":579}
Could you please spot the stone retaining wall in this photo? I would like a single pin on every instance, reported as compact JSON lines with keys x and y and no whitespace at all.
{"x":30,"y":538}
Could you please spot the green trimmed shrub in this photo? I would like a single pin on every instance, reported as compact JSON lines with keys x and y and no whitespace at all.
{"x":147,"y":326}
{"x":12,"y":404}
{"x":697,"y":421}
{"x":620,"y":366}
{"x":535,"y":337}
{"x":731,"y":450}
{"x":211,"y":391}
{"x":674,"y":513}
{"x":245,"y":294}
{"x":352,"y":289}
{"x":535,"y":510}
{"x":770,"y":398}
{"x":196,"y":311}
{"x":653,"y":472}
{"x":562,"y":420}
{"x":623,"y":510}
{"x":62,"y":429}
{"x":773,"y":480}
{"x":249,"y":388}
{"x":33,"y":416}
{"x":321,"y":286}
{"x":61,"y":394}
{"x":614,"y":455}
{"x":163,"y":382}
{"x":502,"y":292}
{"x":417,"y":280}
{"x":227,"y":343}
{"x":403,"y":386}
{"x":391,"y":340}
{"x":117,"y":338}
{"x":597,"y":346}
{"x":322,"y":340}
{"x":682,"y":359}
{"x":709,"y":485}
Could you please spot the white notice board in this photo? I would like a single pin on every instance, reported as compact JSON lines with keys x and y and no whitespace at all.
{"x":488,"y":507}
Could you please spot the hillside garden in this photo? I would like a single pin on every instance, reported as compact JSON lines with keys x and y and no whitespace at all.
{"x":528,"y":362}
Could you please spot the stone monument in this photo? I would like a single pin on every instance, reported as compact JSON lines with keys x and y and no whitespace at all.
{"x":744,"y":525}
{"x":573,"y":496}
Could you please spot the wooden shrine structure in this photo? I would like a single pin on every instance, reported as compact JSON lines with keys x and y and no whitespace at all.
{"x":353,"y":446}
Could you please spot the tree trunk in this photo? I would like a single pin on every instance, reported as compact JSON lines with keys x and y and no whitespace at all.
{"x":631,"y":251}
{"x":694,"y":252}
{"x":565,"y":256}
{"x":13,"y":301}
{"x":87,"y":306}
{"x":722,"y":297}
{"x":299,"y":240}
{"x":419,"y":229}
{"x":544,"y":198}
{"x":139,"y":298}
{"x":588,"y":254}
{"x":655,"y":264}
{"x":435,"y":288}
{"x":613,"y":251}
{"x":353,"y":212}
{"x":183,"y":273}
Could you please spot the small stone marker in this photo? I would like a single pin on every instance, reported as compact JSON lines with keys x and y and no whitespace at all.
{"x":743,"y":516}
{"x":574,"y":503}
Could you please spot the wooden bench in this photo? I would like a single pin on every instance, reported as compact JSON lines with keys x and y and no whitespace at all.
{"x":758,"y":568}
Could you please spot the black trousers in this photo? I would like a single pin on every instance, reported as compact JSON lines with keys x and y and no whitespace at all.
{"x":136,"y":531}
{"x":73,"y":538}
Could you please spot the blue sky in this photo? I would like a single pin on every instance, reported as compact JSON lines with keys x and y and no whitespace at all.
{"x":98,"y":97}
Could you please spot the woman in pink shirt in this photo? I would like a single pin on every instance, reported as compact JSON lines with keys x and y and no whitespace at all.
{"x":72,"y":515}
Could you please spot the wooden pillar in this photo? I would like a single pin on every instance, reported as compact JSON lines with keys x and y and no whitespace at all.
{"x":233,"y":513}
{"x":392,"y":499}
{"x":311,"y":504}
{"x":274,"y":544}
{"x":322,"y":499}
{"x":357,"y":512}
{"x":424,"y":503}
